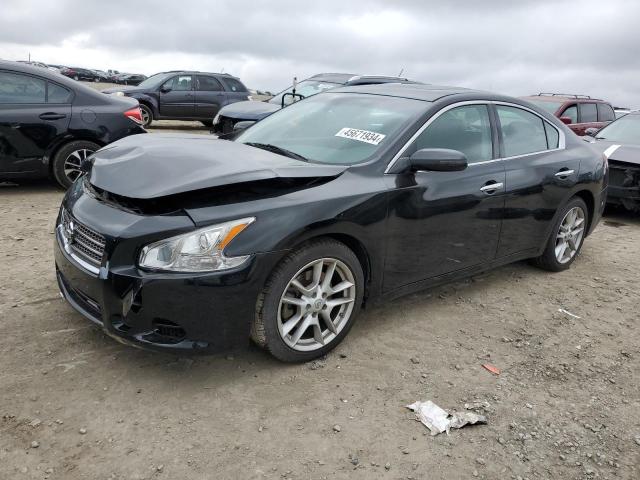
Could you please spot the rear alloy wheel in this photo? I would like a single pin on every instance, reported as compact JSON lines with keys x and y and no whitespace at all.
{"x":566,"y":237}
{"x":67,"y":162}
{"x":310,"y":302}
{"x":147,"y":115}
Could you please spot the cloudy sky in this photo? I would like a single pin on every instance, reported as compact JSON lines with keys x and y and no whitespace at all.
{"x":513,"y":47}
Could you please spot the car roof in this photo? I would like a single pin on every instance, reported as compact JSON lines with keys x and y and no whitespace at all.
{"x":197,"y":72}
{"x":563,"y":97}
{"x":416,"y":91}
{"x":355,"y":79}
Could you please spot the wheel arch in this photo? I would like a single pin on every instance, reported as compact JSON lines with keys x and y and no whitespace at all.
{"x":588,"y":198}
{"x":65,"y":141}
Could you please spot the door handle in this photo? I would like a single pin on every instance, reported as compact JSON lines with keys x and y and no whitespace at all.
{"x":52,"y":116}
{"x":491,"y":188}
{"x":564,"y":173}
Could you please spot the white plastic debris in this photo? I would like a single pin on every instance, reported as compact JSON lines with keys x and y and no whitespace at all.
{"x":438,"y":420}
{"x":566,"y":312}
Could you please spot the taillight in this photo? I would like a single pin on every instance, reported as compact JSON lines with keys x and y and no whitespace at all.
{"x":134,"y":114}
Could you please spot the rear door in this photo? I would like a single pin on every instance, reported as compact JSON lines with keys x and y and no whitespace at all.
{"x":28,"y":123}
{"x":210,"y":97}
{"x":539,"y":175}
{"x":177,"y":98}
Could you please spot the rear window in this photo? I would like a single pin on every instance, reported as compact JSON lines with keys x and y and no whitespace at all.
{"x":234,"y":85}
{"x":17,"y":88}
{"x":605,"y":113}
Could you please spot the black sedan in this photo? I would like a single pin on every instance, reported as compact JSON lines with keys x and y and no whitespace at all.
{"x":620,"y":143}
{"x":344,"y":199}
{"x":49,"y":124}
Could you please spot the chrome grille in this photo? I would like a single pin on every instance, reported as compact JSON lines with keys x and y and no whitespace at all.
{"x":82,"y":240}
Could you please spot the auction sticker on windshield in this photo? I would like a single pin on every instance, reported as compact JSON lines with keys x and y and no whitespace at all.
{"x":361,"y":135}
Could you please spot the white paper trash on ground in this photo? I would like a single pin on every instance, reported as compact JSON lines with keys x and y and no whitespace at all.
{"x":438,"y":420}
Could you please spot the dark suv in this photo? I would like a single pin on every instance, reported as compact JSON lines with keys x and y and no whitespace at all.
{"x":579,"y":112}
{"x":224,"y":123}
{"x":182,"y":95}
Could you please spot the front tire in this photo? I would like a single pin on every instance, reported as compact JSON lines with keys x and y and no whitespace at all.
{"x":567,"y":237}
{"x":310,"y":302}
{"x":68,"y":160}
{"x":147,"y":115}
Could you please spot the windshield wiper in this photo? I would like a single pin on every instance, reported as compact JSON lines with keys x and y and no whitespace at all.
{"x":279,"y":150}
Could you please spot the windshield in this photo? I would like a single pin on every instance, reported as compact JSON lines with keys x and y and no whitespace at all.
{"x":153,"y":80}
{"x":548,"y":106}
{"x":335,"y":128}
{"x":624,"y":130}
{"x":306,"y":88}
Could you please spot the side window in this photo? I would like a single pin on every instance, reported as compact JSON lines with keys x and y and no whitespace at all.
{"x":180,"y":83}
{"x":553,"y":137}
{"x":208,"y":84}
{"x":588,"y":113}
{"x":16,"y":88}
{"x":57,"y":94}
{"x":234,"y":85}
{"x":522,"y":131}
{"x":572,"y":113}
{"x":605,"y":113}
{"x":466,"y":129}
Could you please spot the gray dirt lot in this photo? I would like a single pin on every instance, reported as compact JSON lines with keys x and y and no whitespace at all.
{"x":565,"y":406}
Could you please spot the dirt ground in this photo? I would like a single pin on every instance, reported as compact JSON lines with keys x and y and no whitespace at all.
{"x":74,"y":404}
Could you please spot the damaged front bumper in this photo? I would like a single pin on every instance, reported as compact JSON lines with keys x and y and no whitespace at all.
{"x":624,"y":185}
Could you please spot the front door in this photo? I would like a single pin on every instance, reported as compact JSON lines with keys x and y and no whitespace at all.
{"x":210,"y":97}
{"x":539,"y":175}
{"x":177,"y":98}
{"x":440,"y":222}
{"x":28,"y":124}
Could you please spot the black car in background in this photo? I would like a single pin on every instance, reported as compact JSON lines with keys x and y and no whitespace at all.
{"x":620,"y":144}
{"x":351,"y":197}
{"x":80,"y":74}
{"x":250,"y":111}
{"x":50,"y":124}
{"x":131,"y":78}
{"x":184,"y":95}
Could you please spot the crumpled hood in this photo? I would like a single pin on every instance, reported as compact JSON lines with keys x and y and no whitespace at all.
{"x":249,"y":110}
{"x":618,"y":152}
{"x":159,"y":165}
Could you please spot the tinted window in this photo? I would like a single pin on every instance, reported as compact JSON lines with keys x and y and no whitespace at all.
{"x":588,"y":113}
{"x":234,"y":85}
{"x":466,"y":129}
{"x":572,"y":113}
{"x":57,"y":94}
{"x":208,"y":84}
{"x":180,"y":83}
{"x":15,"y":88}
{"x":522,"y":131}
{"x":553,"y":137}
{"x":605,"y":113}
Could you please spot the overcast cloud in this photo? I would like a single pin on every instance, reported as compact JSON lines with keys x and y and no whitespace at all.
{"x":513,"y":47}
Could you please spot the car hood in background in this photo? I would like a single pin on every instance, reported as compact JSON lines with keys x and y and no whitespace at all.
{"x":159,"y":165}
{"x":622,"y":153}
{"x":249,"y":110}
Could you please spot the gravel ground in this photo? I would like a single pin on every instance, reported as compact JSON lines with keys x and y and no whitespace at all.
{"x":76,"y":404}
{"x":566,"y":404}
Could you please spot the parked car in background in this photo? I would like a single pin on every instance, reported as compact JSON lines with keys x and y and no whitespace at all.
{"x":621,"y":111}
{"x":50,"y":124}
{"x":102,"y":76}
{"x":55,"y":68}
{"x":348,"y":198}
{"x":184,"y":95}
{"x":250,"y":111}
{"x":579,"y":112}
{"x":131,"y":78}
{"x":620,"y":144}
{"x":78,"y":73}
{"x":34,"y":64}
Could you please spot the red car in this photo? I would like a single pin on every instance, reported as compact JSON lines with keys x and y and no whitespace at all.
{"x":579,"y":112}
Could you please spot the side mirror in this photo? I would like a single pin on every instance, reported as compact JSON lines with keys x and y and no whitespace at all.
{"x":165,"y":89}
{"x":293,"y":96}
{"x":438,"y":160}
{"x":566,"y":120}
{"x":592,"y":131}
{"x":243,"y":125}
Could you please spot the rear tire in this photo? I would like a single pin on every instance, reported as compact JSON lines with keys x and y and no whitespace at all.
{"x":566,"y":239}
{"x":325,"y":313}
{"x":67,"y":161}
{"x":147,"y":115}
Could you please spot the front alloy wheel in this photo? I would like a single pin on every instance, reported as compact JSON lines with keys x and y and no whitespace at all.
{"x":310,"y":301}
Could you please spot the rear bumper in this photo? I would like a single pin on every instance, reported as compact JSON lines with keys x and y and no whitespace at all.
{"x":206,"y":313}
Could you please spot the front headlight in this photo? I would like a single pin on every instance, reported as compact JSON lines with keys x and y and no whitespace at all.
{"x":199,"y":251}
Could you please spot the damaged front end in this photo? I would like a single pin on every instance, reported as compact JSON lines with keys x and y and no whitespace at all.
{"x":624,"y":185}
